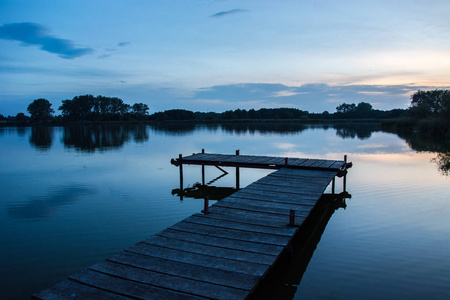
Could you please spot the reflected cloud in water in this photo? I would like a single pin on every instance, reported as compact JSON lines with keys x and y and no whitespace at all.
{"x":43,"y":207}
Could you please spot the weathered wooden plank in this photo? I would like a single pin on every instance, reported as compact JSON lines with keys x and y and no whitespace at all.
{"x":175,"y":283}
{"x":276,"y":196}
{"x":337,"y":165}
{"x":126,"y":287}
{"x":302,"y":179}
{"x":318,"y":163}
{"x":70,"y":290}
{"x":206,"y":220}
{"x":215,"y":251}
{"x":266,"y":204}
{"x":306,"y":172}
{"x":313,"y":183}
{"x":222,"y":242}
{"x":328,"y":163}
{"x":297,"y":162}
{"x":275,"y":161}
{"x":231,"y":233}
{"x":301,"y":174}
{"x":250,"y":217}
{"x":270,"y":210}
{"x":189,"y":271}
{"x":199,"y":260}
{"x":273,"y":188}
{"x":308,"y":163}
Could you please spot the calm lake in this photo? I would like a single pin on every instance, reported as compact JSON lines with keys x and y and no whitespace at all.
{"x":72,"y":196}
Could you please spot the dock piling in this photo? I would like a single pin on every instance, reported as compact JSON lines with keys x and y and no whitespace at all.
{"x":292,"y":217}
{"x":237,"y":174}
{"x":206,"y":206}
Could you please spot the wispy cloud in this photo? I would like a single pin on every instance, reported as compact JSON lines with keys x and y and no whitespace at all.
{"x":123,"y":44}
{"x":228,"y":12}
{"x":104,"y":56}
{"x":38,"y":35}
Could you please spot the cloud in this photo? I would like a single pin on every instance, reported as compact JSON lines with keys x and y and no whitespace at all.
{"x":310,"y":97}
{"x":104,"y":56}
{"x":37,"y":35}
{"x":123,"y":44}
{"x":228,"y":12}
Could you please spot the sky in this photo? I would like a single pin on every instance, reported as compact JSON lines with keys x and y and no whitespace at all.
{"x":206,"y":55}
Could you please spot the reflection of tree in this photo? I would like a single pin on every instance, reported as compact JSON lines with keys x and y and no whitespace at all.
{"x":443,"y":162}
{"x":102,"y":137}
{"x":21,"y":131}
{"x":41,"y":137}
{"x":175,"y":127}
{"x":429,"y":143}
{"x":140,"y":133}
{"x":360,"y":130}
{"x":264,"y":127}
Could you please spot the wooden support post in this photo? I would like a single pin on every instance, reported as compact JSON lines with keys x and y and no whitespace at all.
{"x":206,"y":206}
{"x":333,"y":184}
{"x":285,"y":161}
{"x":203,"y":150}
{"x":345,"y":176}
{"x":203,"y":174}
{"x":237,"y":174}
{"x":180,"y":158}
{"x":292,"y":217}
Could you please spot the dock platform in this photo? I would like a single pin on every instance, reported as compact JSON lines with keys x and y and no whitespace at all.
{"x":222,"y":253}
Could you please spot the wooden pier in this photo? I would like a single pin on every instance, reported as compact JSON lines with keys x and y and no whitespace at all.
{"x":222,"y":253}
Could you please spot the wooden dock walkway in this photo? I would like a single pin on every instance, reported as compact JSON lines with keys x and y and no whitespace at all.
{"x":220,"y":254}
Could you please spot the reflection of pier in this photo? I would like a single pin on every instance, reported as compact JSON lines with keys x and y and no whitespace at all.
{"x":231,"y":250}
{"x":198,"y":191}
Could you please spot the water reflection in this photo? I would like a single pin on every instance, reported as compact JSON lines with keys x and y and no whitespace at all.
{"x":89,"y":138}
{"x":361,"y":131}
{"x":21,"y":131}
{"x":41,"y":137}
{"x":343,"y":130}
{"x":199,"y":191}
{"x":421,"y":143}
{"x":442,"y":161}
{"x":42,"y":207}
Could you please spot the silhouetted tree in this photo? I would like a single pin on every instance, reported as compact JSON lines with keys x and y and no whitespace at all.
{"x":346,"y":108}
{"x":40,"y":110}
{"x":140,"y":109}
{"x":21,"y":117}
{"x":433,"y":102}
{"x":77,"y":109}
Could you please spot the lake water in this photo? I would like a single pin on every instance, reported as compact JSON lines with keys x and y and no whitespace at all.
{"x":72,"y":196}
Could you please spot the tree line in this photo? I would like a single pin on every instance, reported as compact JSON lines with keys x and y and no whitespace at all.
{"x":433,"y":104}
{"x":83,"y":108}
{"x":428,"y":114}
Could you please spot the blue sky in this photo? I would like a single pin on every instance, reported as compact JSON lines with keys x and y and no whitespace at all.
{"x":210,"y":55}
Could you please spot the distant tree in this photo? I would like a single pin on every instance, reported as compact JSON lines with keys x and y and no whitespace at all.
{"x":363,"y":110}
{"x":40,"y":110}
{"x":77,"y":109}
{"x":433,"y":101}
{"x":346,"y":108}
{"x":2,"y":118}
{"x":21,"y":117}
{"x":140,"y":109}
